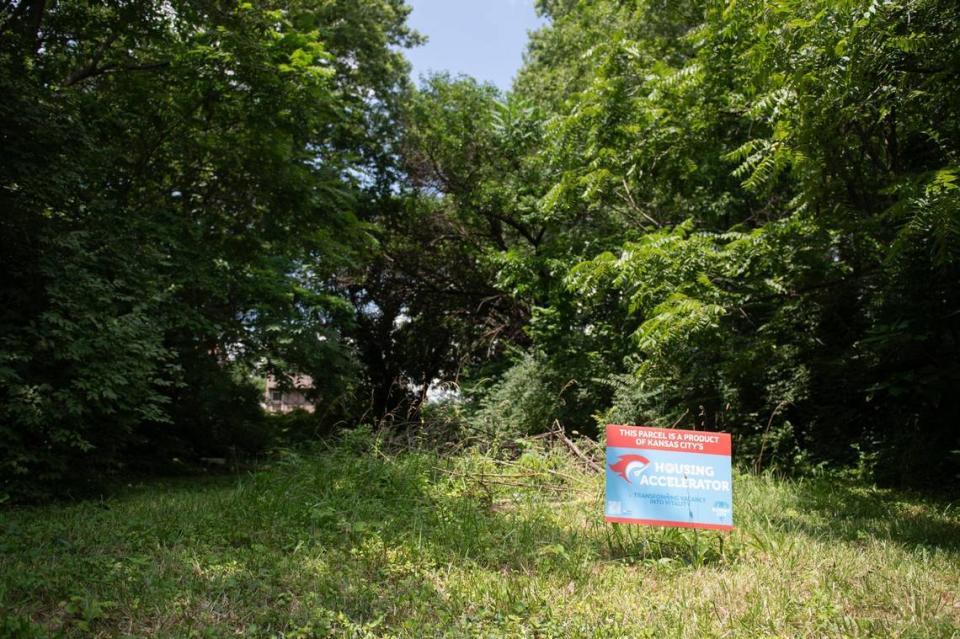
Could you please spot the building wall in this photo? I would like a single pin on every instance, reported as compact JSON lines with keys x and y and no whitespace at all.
{"x":284,"y":401}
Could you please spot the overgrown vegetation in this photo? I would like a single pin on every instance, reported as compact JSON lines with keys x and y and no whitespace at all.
{"x":180,"y":181}
{"x":741,"y":216}
{"x":355,"y":540}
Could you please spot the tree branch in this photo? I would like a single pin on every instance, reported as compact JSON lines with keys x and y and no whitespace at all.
{"x":92,"y":70}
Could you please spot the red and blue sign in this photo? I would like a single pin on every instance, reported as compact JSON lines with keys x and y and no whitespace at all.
{"x":669,"y":477}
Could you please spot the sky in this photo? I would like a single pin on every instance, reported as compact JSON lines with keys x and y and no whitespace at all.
{"x":481,"y":38}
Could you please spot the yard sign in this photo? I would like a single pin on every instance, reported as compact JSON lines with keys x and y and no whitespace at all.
{"x":669,"y":477}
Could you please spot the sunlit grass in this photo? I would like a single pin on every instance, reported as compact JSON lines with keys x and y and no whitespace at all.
{"x":359,"y":542}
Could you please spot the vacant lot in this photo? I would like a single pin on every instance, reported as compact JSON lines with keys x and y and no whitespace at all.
{"x":353,"y":541}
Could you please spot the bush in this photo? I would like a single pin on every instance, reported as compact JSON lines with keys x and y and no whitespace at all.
{"x":525,"y":400}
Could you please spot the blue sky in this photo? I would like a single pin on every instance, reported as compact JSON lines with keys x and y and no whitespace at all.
{"x":481,"y":38}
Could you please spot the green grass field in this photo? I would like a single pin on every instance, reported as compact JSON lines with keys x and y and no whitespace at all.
{"x":361,"y":543}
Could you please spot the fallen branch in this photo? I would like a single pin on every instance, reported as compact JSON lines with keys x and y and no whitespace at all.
{"x":545,"y":435}
{"x":542,"y":470}
{"x":576,"y":451}
{"x":680,"y":419}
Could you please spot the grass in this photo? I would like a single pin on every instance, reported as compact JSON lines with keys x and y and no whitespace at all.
{"x":355,"y":542}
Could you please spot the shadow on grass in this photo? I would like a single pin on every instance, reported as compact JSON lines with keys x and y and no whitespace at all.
{"x":355,"y":534}
{"x":523,"y":530}
{"x":851,"y":511}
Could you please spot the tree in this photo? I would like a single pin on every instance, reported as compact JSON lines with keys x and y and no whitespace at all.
{"x":181,"y":181}
{"x":742,"y":215}
{"x":838,"y":122}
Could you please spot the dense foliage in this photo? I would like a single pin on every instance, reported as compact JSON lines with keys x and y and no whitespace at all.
{"x":740,"y":215}
{"x":180,"y":181}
